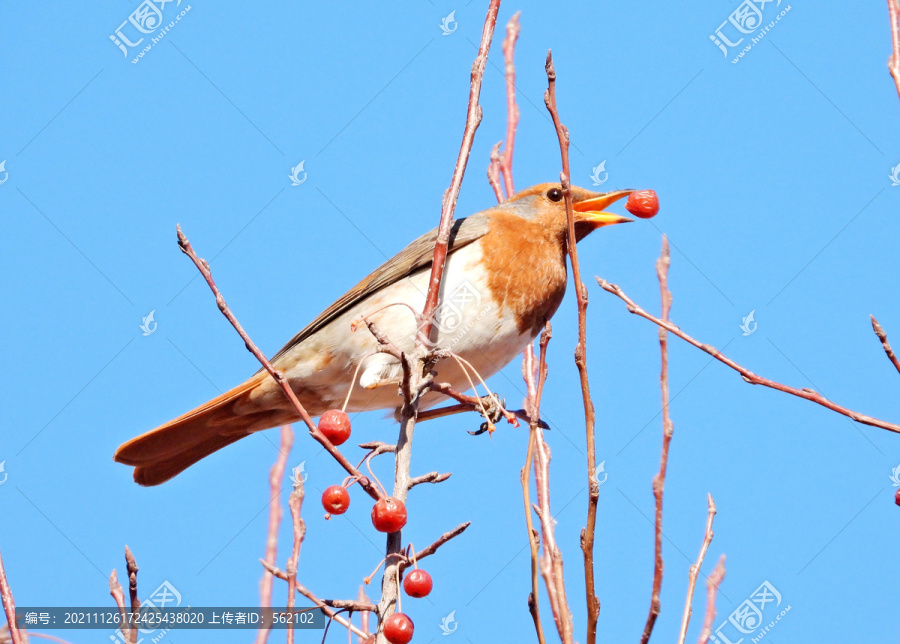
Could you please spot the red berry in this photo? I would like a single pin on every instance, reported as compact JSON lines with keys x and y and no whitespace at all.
{"x":335,"y":424}
{"x":897,"y":496}
{"x":398,"y":628}
{"x":389,"y":515}
{"x":417,"y":583}
{"x":643,"y":203}
{"x":335,"y":499}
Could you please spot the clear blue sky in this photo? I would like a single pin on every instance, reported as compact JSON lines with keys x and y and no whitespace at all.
{"x":773,"y":174}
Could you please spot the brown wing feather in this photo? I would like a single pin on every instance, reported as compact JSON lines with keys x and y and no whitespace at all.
{"x":415,"y":256}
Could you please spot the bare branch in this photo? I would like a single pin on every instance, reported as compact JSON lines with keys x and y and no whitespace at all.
{"x":295,"y":502}
{"x":430,"y":550}
{"x":203,"y":267}
{"x":884,"y":341}
{"x":659,"y":481}
{"x":325,"y":605}
{"x":587,"y":534}
{"x":431,"y":477}
{"x":532,"y":405}
{"x":894,"y":60}
{"x":132,"y":567}
{"x":712,"y":589}
{"x":493,"y":172}
{"x":118,"y":594}
{"x":276,"y":475}
{"x":448,"y":206}
{"x":695,"y":569}
{"x":413,"y":368}
{"x":512,"y":109}
{"x":746,"y":374}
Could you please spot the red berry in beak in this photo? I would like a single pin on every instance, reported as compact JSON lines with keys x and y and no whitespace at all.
{"x":398,"y":628}
{"x":335,"y":499}
{"x":643,"y":203}
{"x":417,"y":583}
{"x":335,"y":424}
{"x":388,"y":515}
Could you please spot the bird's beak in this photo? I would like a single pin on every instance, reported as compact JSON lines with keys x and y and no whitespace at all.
{"x":589,"y":211}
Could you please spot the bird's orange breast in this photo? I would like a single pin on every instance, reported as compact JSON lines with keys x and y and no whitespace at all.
{"x":525,"y":264}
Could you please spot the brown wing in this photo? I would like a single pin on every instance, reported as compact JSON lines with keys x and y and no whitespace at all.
{"x":416,"y":256}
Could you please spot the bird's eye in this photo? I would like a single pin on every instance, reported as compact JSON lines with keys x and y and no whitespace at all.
{"x":554,"y":194}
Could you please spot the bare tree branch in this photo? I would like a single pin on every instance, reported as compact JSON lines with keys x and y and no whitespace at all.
{"x":894,"y":60}
{"x":712,"y":589}
{"x":203,"y":267}
{"x":276,"y":475}
{"x":659,"y":481}
{"x":587,"y":534}
{"x":413,"y":368}
{"x":746,"y":374}
{"x":118,"y":594}
{"x":884,"y":341}
{"x":695,"y":569}
{"x":295,"y":502}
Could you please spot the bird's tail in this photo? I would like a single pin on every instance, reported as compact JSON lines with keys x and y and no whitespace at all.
{"x":168,"y":450}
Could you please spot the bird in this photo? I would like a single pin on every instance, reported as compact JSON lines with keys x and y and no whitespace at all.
{"x":504,"y":278}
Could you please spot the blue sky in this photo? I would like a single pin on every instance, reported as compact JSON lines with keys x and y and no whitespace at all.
{"x":773,"y":176}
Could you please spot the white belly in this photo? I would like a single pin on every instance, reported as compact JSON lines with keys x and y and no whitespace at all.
{"x":468,"y":322}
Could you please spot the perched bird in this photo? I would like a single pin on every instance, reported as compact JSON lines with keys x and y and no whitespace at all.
{"x":505,"y":276}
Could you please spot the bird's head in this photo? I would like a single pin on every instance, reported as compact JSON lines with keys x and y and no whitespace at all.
{"x":545,"y":203}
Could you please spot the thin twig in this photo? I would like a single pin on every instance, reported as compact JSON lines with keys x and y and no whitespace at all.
{"x":884,"y":343}
{"x":512,"y":110}
{"x":587,"y":534}
{"x":431,"y":549}
{"x":132,"y":567}
{"x":431,"y":477}
{"x":324,"y":604}
{"x":448,"y":205}
{"x":746,"y":374}
{"x":363,"y":615}
{"x":712,"y":589}
{"x":695,"y":569}
{"x":276,"y":475}
{"x":532,"y":404}
{"x":295,"y":502}
{"x":413,"y":367}
{"x":493,"y":172}
{"x":279,"y":377}
{"x":659,"y":481}
{"x":894,"y":60}
{"x":118,"y":594}
{"x":9,"y":606}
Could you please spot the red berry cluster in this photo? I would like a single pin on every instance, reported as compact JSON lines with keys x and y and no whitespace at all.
{"x":388,"y":515}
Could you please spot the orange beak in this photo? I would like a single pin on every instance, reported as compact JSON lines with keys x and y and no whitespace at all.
{"x":590,"y":212}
